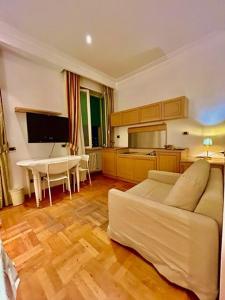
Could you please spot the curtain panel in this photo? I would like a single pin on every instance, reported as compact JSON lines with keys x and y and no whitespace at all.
{"x":4,"y":169}
{"x":109,"y":101}
{"x":73,"y":102}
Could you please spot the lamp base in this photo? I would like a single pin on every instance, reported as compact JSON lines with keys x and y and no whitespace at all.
{"x":205,"y":157}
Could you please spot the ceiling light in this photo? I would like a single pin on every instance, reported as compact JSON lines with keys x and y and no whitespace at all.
{"x":88,"y":39}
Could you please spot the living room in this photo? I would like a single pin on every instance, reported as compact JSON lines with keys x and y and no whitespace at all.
{"x":138,"y":119}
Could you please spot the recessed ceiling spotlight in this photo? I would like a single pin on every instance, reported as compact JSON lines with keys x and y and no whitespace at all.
{"x":88,"y":39}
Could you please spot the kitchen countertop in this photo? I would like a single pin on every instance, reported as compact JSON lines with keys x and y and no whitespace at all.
{"x":213,"y":160}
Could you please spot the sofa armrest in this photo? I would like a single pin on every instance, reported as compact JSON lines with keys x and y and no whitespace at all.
{"x":183,"y":242}
{"x":163,"y":176}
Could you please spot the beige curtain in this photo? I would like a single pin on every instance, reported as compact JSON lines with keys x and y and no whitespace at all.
{"x":81,"y":146}
{"x":109,"y":101}
{"x":4,"y":169}
{"x":73,"y":102}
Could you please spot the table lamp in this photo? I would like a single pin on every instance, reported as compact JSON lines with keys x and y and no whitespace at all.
{"x":207,"y":142}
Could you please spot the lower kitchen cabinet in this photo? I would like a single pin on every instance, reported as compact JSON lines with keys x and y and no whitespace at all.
{"x":109,"y":162}
{"x":168,"y":161}
{"x":133,"y":168}
{"x":141,"y":168}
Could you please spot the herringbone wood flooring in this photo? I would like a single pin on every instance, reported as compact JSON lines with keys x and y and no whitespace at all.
{"x":63,"y":252}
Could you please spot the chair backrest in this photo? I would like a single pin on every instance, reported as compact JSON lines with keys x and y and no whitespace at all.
{"x":84,"y":163}
{"x":73,"y":162}
{"x":85,"y":157}
{"x":58,"y":167}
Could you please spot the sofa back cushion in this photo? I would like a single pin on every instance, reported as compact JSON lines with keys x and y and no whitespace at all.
{"x":189,"y":187}
{"x":211,"y":202}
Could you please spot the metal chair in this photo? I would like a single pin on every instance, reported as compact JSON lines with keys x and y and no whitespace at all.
{"x":84,"y":167}
{"x":57,"y":171}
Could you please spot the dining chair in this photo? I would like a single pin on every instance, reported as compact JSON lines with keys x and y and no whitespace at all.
{"x":57,"y":171}
{"x":84,"y":167}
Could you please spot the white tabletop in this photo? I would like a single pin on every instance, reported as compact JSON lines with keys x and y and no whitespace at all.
{"x":45,"y":161}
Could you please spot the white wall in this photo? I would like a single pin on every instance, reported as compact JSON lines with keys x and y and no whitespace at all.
{"x":27,"y":84}
{"x":199,"y":74}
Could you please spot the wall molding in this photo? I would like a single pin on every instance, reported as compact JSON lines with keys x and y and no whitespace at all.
{"x":164,"y":60}
{"x":31,"y":48}
{"x":24,"y":44}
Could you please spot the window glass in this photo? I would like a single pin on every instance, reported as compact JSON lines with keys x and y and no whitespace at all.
{"x":93,"y":118}
{"x":84,"y":112}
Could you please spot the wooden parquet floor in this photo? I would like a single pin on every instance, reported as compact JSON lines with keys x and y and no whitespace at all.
{"x":63,"y":252}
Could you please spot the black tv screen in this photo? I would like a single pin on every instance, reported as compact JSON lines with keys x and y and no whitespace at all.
{"x":47,"y":129}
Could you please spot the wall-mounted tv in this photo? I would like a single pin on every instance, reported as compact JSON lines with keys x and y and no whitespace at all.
{"x":47,"y":129}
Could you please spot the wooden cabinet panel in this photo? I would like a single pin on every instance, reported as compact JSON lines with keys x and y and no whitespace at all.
{"x":116,"y":119}
{"x":168,"y":161}
{"x":184,"y":166}
{"x":141,"y":168}
{"x":164,"y":110}
{"x":125,"y":167}
{"x":130,"y":117}
{"x":151,"y":112}
{"x":174,"y":109}
{"x":109,"y":162}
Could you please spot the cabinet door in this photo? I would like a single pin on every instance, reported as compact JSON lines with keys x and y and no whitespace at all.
{"x":116,"y":119}
{"x":151,"y":112}
{"x":125,"y":167}
{"x":141,"y":168}
{"x":130,"y":117}
{"x":184,"y":166}
{"x":167,"y":161}
{"x":109,"y":162}
{"x":174,"y":109}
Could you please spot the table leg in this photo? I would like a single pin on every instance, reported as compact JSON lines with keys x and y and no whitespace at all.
{"x":78,"y":177}
{"x":36,"y":186}
{"x":39,"y":186}
{"x":28,"y":181}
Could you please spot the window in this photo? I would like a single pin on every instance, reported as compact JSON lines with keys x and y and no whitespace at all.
{"x":93,"y":118}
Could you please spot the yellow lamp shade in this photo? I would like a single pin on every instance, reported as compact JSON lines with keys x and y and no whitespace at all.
{"x":207,"y":141}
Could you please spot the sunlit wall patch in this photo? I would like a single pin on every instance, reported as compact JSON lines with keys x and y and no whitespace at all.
{"x":212,"y":115}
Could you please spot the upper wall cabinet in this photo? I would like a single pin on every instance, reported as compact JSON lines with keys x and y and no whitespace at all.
{"x":152,"y":112}
{"x":175,"y":108}
{"x":116,"y":119}
{"x":130,"y":116}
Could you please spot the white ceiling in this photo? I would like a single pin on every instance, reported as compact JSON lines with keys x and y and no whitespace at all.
{"x":127,"y":34}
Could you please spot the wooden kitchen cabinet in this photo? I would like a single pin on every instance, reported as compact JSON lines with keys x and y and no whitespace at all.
{"x":133,"y":168}
{"x":152,"y":112}
{"x":168,"y":161}
{"x":125,"y":167}
{"x":170,"y":109}
{"x":184,"y":166}
{"x":141,"y":168}
{"x":130,"y":117}
{"x":109,"y":162}
{"x":116,"y":119}
{"x":175,"y":108}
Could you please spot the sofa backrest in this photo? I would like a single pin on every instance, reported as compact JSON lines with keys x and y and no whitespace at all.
{"x":190,"y":186}
{"x":211,"y":202}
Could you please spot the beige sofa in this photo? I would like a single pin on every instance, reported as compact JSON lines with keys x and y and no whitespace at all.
{"x":174,"y":221}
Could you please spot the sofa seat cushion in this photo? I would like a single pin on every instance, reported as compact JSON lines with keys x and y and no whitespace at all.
{"x":189,"y":187}
{"x":151,"y":189}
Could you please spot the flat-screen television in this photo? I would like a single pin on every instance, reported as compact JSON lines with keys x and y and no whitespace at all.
{"x":47,"y":129}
